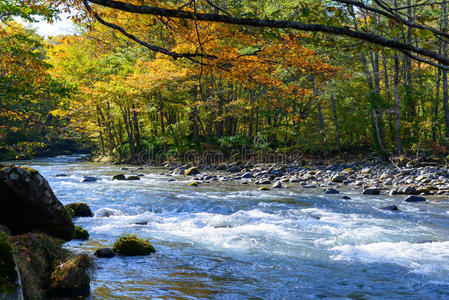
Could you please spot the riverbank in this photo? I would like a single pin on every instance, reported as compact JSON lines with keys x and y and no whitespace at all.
{"x":366,"y":178}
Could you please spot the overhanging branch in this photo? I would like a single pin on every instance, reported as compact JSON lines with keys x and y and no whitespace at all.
{"x":154,"y":48}
{"x":342,"y":31}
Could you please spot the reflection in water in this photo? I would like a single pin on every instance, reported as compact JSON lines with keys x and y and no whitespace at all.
{"x":230,"y":241}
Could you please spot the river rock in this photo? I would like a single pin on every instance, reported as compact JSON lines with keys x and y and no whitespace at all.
{"x":263,"y":181}
{"x":234,"y":169}
{"x":81,"y":209}
{"x":192,"y":171}
{"x":247,"y":175}
{"x":133,"y":177}
{"x":409,"y":190}
{"x":331,"y":191}
{"x":277,"y":185}
{"x":338,"y":178}
{"x":107,"y":212}
{"x":390,"y":207}
{"x":29,"y":204}
{"x":414,"y":198}
{"x":371,"y":191}
{"x":130,"y":245}
{"x":104,"y":252}
{"x":72,"y":278}
{"x":346,"y":197}
{"x":119,"y":177}
{"x":81,"y":233}
{"x":89,"y":179}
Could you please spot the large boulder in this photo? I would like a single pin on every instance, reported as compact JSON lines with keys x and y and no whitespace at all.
{"x":29,"y":204}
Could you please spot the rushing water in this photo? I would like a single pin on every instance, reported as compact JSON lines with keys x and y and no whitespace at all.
{"x":230,"y":241}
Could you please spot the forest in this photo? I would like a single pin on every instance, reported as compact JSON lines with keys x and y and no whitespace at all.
{"x":322,"y":77}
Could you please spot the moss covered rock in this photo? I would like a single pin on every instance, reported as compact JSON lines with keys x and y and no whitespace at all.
{"x":133,"y":177}
{"x":194,"y":183}
{"x":81,"y":209}
{"x":70,"y":211}
{"x":8,"y":274}
{"x":27,"y":203}
{"x":192,"y":171}
{"x":72,"y":278}
{"x":37,"y":255}
{"x":119,"y":177}
{"x":81,"y":233}
{"x":264,"y":188}
{"x":131,"y":245}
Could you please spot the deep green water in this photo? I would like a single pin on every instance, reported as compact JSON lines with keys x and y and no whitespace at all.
{"x":231,"y":241}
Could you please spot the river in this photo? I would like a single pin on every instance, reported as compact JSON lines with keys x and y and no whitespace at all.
{"x":231,"y":241}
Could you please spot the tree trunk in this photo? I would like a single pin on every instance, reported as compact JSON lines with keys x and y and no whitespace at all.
{"x":397,"y":112}
{"x":337,"y":130}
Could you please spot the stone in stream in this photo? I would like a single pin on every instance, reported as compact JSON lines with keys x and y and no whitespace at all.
{"x":89,"y":179}
{"x":234,"y":169}
{"x":414,"y":198}
{"x":194,"y":183}
{"x":107,"y":212}
{"x":131,"y":245}
{"x":263,"y":181}
{"x":61,"y":175}
{"x":390,"y":207}
{"x":277,"y":185}
{"x":263,"y":188}
{"x":409,"y":190}
{"x":247,"y":175}
{"x":27,"y":203}
{"x":81,"y":209}
{"x":119,"y":177}
{"x":133,"y":177}
{"x":81,"y":233}
{"x":346,"y":197}
{"x":72,"y":278}
{"x":371,"y":191}
{"x":331,"y":191}
{"x":104,"y":252}
{"x":338,"y":178}
{"x":142,"y":223}
{"x":171,"y":180}
{"x":192,"y":171}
